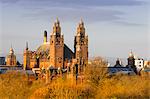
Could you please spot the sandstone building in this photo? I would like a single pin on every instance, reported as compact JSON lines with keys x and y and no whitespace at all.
{"x":11,"y":58}
{"x":56,"y":53}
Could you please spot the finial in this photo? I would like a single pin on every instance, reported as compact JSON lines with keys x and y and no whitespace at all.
{"x":57,"y":21}
{"x":131,"y":53}
{"x":45,"y":33}
{"x":57,"y":18}
{"x":81,"y":21}
{"x":11,"y":50}
{"x":27,"y":46}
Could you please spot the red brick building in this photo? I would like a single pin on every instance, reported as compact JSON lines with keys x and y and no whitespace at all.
{"x":56,"y":53}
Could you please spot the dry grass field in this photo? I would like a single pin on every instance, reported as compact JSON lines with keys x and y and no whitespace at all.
{"x":97,"y":84}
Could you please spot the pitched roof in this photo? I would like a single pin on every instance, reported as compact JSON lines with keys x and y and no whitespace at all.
{"x":68,"y":52}
{"x":124,"y":70}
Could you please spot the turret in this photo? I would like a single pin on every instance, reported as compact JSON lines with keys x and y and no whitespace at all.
{"x":11,"y":58}
{"x":56,"y":28}
{"x":81,"y":29}
{"x":131,"y":59}
{"x":56,"y":46}
{"x":26,"y":58}
{"x":81,"y":46}
{"x":131,"y":62}
{"x":11,"y":51}
{"x":131,"y":55}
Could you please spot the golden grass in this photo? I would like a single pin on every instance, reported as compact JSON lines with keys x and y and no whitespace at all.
{"x":96,"y":84}
{"x":122,"y":86}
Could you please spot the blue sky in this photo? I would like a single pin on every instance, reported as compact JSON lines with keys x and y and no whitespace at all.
{"x":114,"y":26}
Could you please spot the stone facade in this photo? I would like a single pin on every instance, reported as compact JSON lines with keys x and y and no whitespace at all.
{"x":81,"y":46}
{"x":56,"y":53}
{"x":56,"y":46}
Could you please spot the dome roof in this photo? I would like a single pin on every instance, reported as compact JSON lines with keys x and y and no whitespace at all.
{"x":11,"y":51}
{"x":43,"y":49}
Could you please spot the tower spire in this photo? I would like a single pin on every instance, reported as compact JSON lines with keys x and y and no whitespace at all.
{"x":131,"y":53}
{"x":80,"y":28}
{"x":57,"y":21}
{"x":27,"y":46}
{"x":56,"y":27}
{"x":56,"y":46}
{"x":11,"y":50}
{"x":81,"y":21}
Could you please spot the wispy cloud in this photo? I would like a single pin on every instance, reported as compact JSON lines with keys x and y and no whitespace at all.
{"x":128,"y":23}
{"x":89,"y":15}
{"x":69,"y":10}
{"x":9,"y":1}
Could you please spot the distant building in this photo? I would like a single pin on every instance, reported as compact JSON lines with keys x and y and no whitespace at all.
{"x":2,"y":60}
{"x":139,"y":63}
{"x":122,"y":70}
{"x":5,"y":68}
{"x":146,"y":64}
{"x":119,"y":68}
{"x":11,"y":58}
{"x":131,"y":62}
{"x":134,"y":65}
{"x":10,"y":63}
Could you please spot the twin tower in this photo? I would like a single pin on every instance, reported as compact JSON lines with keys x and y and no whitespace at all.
{"x":56,"y":53}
